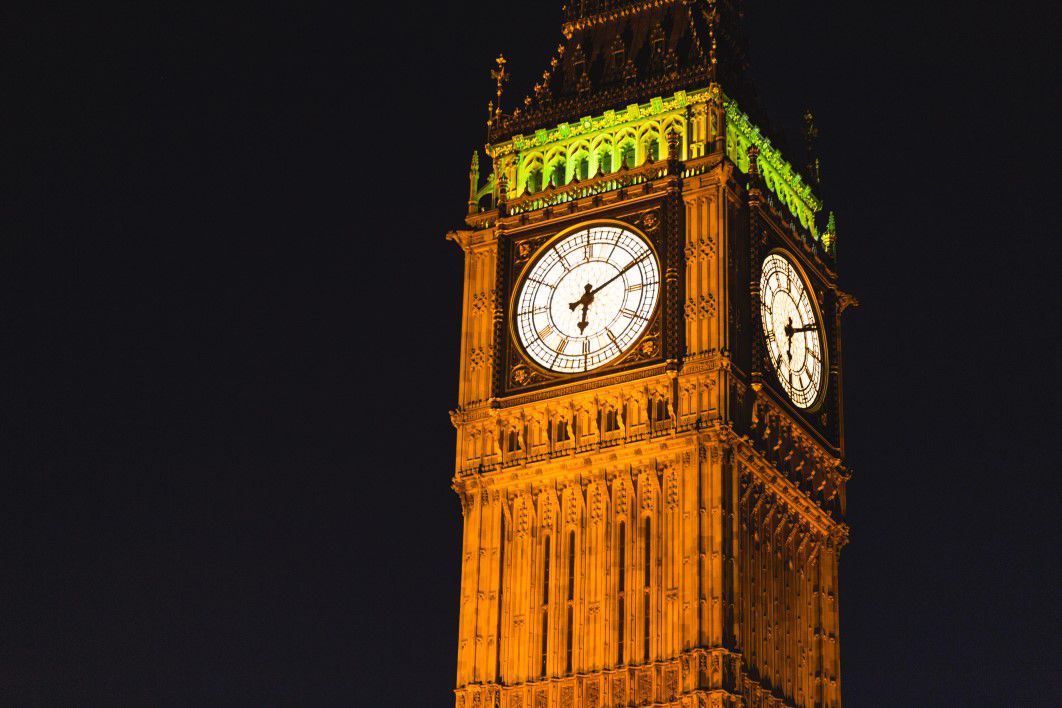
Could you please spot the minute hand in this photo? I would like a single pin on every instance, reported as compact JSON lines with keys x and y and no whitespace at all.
{"x":613,"y":279}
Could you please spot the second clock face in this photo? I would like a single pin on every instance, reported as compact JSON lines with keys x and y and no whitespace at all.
{"x":587,"y":299}
{"x":791,"y":328}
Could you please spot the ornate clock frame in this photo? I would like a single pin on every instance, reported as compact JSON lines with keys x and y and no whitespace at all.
{"x":659,"y":223}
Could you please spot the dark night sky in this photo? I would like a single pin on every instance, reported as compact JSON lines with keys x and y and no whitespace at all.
{"x":230,"y":335}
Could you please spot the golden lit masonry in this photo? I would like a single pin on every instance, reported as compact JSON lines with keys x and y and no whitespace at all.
{"x":649,"y":429}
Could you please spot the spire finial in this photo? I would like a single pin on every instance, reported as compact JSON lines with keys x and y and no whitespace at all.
{"x":501,"y":76}
{"x":473,"y":183}
{"x":712,"y":15}
{"x":829,"y":236}
{"x":811,"y":137}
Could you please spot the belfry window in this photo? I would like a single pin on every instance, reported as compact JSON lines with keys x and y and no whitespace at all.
{"x":582,"y":168}
{"x":557,"y":176}
{"x":652,"y":149}
{"x":604,"y":162}
{"x":534,"y":180}
{"x":627,"y":155}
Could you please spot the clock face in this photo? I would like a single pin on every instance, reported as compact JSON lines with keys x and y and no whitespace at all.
{"x":792,"y":330}
{"x":587,"y":298}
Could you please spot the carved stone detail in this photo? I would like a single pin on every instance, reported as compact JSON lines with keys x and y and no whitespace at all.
{"x":701,"y":308}
{"x":619,"y":692}
{"x":593,"y":694}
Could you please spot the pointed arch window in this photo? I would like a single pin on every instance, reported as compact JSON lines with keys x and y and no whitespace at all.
{"x":658,"y":409}
{"x":652,"y":149}
{"x":534,"y":180}
{"x":544,"y":655}
{"x":557,"y":177}
{"x":571,"y":601}
{"x":501,"y":595}
{"x":621,"y":589}
{"x":647,"y":588}
{"x":513,"y":440}
{"x":582,"y":167}
{"x":627,"y":155}
{"x":563,"y":431}
{"x":604,"y":161}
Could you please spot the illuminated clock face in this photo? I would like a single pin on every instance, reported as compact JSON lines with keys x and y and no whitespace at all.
{"x":792,"y":330}
{"x":587,"y":298}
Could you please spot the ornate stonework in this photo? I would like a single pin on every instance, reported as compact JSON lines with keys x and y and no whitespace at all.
{"x":665,"y":530}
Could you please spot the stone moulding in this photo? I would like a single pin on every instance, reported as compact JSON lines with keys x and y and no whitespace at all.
{"x":588,"y":137}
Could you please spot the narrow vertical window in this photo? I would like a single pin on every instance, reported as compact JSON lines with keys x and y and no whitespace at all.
{"x":534,"y":180}
{"x":501,"y":596}
{"x":571,"y":599}
{"x":583,"y":168}
{"x":604,"y":162}
{"x":648,"y":582}
{"x":545,"y":606}
{"x":558,"y":174}
{"x":652,"y":149}
{"x":621,"y":587}
{"x":562,"y":431}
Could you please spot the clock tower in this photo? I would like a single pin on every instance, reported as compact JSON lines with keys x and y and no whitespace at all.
{"x":650,"y":438}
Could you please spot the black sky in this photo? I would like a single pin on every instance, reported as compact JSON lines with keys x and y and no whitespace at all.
{"x":230,"y":335}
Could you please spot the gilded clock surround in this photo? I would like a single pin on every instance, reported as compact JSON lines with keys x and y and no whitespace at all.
{"x":665,"y":530}
{"x":623,"y":348}
{"x":820,"y":395}
{"x":522,"y":373}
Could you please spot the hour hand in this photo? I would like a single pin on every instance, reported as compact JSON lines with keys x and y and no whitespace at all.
{"x":585,"y":300}
{"x":790,"y":330}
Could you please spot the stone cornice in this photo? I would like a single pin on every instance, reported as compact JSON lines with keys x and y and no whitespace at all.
{"x":776,"y":484}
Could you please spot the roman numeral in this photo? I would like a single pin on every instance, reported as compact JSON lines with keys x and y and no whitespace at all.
{"x":545,"y":332}
{"x":564,"y":263}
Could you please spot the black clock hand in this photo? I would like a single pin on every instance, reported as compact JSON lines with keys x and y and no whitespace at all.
{"x":613,"y":279}
{"x":790,"y":330}
{"x":585,"y":301}
{"x":588,"y":297}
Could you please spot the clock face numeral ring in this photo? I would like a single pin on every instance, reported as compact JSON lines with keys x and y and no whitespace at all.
{"x":792,"y":330}
{"x":586,"y":298}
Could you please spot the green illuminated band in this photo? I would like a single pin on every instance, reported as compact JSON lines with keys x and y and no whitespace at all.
{"x":605,"y":144}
